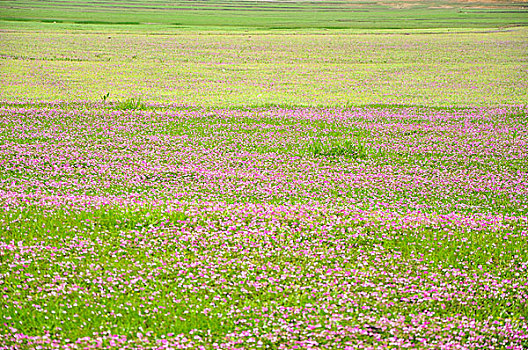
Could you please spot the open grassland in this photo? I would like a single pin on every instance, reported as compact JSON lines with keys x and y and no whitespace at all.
{"x":263,"y":228}
{"x":173,"y":178}
{"x":311,"y":68}
{"x":272,"y":14}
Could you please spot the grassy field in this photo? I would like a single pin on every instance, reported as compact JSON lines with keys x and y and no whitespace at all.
{"x":273,"y":14}
{"x":261,"y":68}
{"x":263,"y":175}
{"x":263,"y":228}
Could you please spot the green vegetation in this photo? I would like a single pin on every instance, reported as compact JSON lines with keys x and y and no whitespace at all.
{"x":218,"y":222}
{"x":270,"y":15}
{"x":131,"y":103}
{"x":263,"y":174}
{"x":266,"y":69}
{"x":347,"y":149}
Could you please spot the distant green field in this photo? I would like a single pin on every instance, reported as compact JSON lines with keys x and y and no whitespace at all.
{"x":271,"y":14}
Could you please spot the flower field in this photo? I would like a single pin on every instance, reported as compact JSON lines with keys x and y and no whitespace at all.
{"x":161,"y":226}
{"x":457,"y":68}
{"x":232,"y":174}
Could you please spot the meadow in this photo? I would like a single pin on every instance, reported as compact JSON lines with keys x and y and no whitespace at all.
{"x":249,"y":69}
{"x":263,"y":185}
{"x":259,"y":15}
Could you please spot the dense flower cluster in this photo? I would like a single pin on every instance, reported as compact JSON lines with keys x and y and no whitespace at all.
{"x":263,"y":228}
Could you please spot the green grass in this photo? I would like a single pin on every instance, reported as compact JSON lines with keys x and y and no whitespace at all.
{"x":339,"y":148}
{"x":114,"y":96}
{"x":434,"y":248}
{"x":270,"y":15}
{"x":131,"y":104}
{"x":155,"y":268}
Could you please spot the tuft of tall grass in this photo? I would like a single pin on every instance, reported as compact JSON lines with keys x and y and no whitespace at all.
{"x":132,"y":104}
{"x":341,"y":148}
